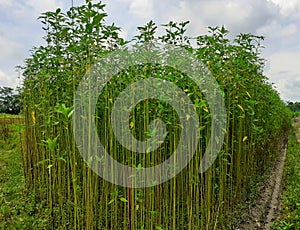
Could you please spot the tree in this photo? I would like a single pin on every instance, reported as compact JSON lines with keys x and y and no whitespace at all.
{"x":293,"y":106}
{"x":9,"y":101}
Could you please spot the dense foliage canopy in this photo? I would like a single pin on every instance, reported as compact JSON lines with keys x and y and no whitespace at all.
{"x":75,"y":197}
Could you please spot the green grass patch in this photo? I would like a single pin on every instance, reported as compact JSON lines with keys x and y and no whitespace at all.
{"x":17,"y":207}
{"x":296,"y":114}
{"x":9,"y":115}
{"x":290,"y":217}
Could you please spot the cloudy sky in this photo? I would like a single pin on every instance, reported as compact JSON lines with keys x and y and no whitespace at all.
{"x":277,"y":20}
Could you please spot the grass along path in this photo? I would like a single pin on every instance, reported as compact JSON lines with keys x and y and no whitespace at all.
{"x":289,"y":218}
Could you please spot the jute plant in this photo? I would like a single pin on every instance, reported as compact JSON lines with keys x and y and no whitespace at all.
{"x":75,"y":197}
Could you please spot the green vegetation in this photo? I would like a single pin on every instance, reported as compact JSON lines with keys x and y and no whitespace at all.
{"x":290,"y":217}
{"x":6,"y":121}
{"x":73,"y":196}
{"x":9,"y":101}
{"x":294,"y":106}
{"x":295,"y":114}
{"x":17,"y":206}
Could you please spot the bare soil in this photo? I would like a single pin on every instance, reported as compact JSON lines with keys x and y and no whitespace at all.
{"x":266,"y":207}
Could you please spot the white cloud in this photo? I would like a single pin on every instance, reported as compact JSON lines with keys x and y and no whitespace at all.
{"x":45,"y":5}
{"x":287,"y":7}
{"x":289,"y":30}
{"x":289,"y":90}
{"x":238,"y":16}
{"x":284,"y":73}
{"x":5,"y":3}
{"x":19,"y":32}
{"x":7,"y":79}
{"x":9,"y":48}
{"x":142,"y":9}
{"x":284,"y":62}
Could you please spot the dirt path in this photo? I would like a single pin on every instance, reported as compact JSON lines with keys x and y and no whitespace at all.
{"x":266,"y":206}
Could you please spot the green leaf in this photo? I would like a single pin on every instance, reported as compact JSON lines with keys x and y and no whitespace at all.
{"x":111,"y":201}
{"x":89,"y":28}
{"x":98,"y":18}
{"x":49,"y":166}
{"x":241,"y":108}
{"x":64,"y":32}
{"x":51,"y":143}
{"x":154,"y":213}
{"x":115,"y":192}
{"x":62,"y":159}
{"x":123,"y":200}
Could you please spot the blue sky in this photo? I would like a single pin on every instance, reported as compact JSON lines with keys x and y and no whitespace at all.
{"x":277,"y":20}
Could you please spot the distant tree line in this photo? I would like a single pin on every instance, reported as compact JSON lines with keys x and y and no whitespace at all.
{"x":294,"y":106}
{"x":9,"y":101}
